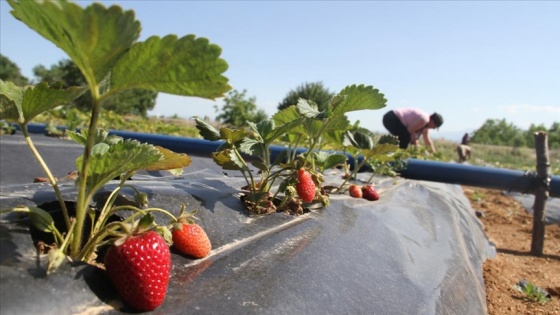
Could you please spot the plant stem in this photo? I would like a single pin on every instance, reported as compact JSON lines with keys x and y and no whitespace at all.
{"x":49,"y":174}
{"x":83,"y":199}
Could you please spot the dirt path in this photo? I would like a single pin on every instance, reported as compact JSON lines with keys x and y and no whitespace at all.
{"x":509,"y":227}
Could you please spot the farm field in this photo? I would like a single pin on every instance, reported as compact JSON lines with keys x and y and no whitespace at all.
{"x":509,"y":227}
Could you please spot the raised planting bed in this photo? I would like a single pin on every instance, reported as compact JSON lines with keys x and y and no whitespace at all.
{"x":417,"y":250}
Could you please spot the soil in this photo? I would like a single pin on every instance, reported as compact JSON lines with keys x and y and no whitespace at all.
{"x":509,"y":226}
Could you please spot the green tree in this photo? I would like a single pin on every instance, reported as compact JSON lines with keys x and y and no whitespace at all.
{"x":554,"y":136}
{"x":9,"y":71}
{"x":530,"y":134}
{"x":314,"y":91}
{"x":135,"y":101}
{"x":499,"y":132}
{"x":238,"y":109}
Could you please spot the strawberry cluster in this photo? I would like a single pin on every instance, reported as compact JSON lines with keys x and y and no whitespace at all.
{"x":367,"y":192}
{"x":139,"y":261}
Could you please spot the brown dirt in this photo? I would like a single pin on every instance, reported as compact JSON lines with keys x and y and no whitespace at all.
{"x":508,"y":225}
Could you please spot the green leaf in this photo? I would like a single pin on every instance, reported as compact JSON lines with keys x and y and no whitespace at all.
{"x":358,"y":139}
{"x":31,"y":101}
{"x":286,"y":115}
{"x":334,"y":160}
{"x":228,"y":160}
{"x":359,"y":97}
{"x":313,"y":127}
{"x":265,"y":127}
{"x":95,"y":38}
{"x":233,"y":136}
{"x":307,"y":108}
{"x":251,"y":147}
{"x":11,"y":98}
{"x":207,"y":131}
{"x":259,"y":165}
{"x":389,"y":139}
{"x":122,"y":157}
{"x":185,"y":66}
{"x":281,"y":130}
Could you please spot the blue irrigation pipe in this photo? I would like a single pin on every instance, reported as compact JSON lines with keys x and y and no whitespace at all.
{"x":444,"y":172}
{"x":479,"y":176}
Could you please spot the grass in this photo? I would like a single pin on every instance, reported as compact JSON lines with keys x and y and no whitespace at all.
{"x":523,"y":159}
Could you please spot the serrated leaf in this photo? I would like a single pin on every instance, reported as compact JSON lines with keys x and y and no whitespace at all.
{"x":264,"y":128}
{"x":100,"y":149}
{"x":385,"y":149}
{"x":251,"y":147}
{"x":228,"y":160}
{"x":358,"y":139}
{"x":185,"y":66}
{"x":312,"y":127}
{"x":281,"y":130}
{"x":170,"y":161}
{"x":94,"y":37}
{"x":11,"y":98}
{"x":22,"y":104}
{"x":286,"y":115}
{"x":207,"y":131}
{"x":307,"y":108}
{"x":340,"y":122}
{"x":128,"y":155}
{"x":233,"y":136}
{"x":359,"y":97}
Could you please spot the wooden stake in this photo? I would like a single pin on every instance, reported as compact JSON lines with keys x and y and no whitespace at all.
{"x":541,"y":193}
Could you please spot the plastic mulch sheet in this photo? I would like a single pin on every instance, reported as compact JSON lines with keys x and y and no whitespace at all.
{"x":417,"y":250}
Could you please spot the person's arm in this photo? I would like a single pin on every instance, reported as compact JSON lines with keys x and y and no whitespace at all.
{"x":428,"y":140}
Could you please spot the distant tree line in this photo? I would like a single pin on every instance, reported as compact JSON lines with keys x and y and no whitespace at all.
{"x":500,"y":132}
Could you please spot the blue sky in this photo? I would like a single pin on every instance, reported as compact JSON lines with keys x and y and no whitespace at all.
{"x":468,"y":60}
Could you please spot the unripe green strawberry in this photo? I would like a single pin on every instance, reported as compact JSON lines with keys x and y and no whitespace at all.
{"x":355,"y":191}
{"x":370,"y":193}
{"x":190,"y":239}
{"x":139,"y":269}
{"x":305,"y":186}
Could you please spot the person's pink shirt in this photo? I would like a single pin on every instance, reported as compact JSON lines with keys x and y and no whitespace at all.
{"x":410,"y":116}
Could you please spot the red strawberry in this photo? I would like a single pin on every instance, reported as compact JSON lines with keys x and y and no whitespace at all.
{"x":139,"y":269}
{"x":190,"y":239}
{"x":355,"y":191}
{"x":305,"y":186}
{"x":370,"y":193}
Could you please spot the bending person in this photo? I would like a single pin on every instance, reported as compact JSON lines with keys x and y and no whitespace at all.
{"x":409,"y":123}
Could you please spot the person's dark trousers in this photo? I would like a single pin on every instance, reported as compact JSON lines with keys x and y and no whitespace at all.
{"x":394,"y":125}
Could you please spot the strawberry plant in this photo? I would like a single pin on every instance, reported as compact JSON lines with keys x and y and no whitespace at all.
{"x":274,"y":184}
{"x":103,"y":43}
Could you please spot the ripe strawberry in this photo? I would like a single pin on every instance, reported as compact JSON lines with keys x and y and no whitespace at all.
{"x":370,"y":193}
{"x":139,"y":269}
{"x":355,"y":191}
{"x":305,"y":186}
{"x":190,"y":239}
